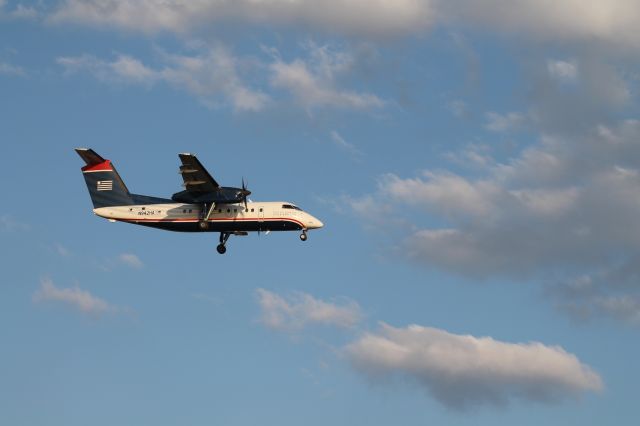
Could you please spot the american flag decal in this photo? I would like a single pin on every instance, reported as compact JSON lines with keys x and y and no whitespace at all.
{"x":105,"y":185}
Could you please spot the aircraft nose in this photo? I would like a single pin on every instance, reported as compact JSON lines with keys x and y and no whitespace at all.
{"x":315,"y":223}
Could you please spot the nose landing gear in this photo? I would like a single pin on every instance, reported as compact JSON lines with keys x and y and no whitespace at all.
{"x":303,"y":236}
{"x":222,"y":249}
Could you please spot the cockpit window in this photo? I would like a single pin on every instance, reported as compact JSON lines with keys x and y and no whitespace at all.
{"x":291,"y":206}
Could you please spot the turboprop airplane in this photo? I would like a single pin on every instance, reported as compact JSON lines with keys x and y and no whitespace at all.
{"x":203,"y":206}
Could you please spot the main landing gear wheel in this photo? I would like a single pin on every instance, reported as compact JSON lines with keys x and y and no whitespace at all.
{"x":303,"y":236}
{"x":203,"y":224}
{"x":222,"y":249}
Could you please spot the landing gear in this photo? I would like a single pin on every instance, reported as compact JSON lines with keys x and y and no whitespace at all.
{"x":224,"y":236}
{"x":303,"y":236}
{"x":205,"y":214}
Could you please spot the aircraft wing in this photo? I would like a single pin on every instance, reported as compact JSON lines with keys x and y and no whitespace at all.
{"x":196,"y":178}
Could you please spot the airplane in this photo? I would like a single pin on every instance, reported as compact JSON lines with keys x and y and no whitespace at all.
{"x":203,"y":206}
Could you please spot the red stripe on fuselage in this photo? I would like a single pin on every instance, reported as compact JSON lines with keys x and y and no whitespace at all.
{"x":105,"y":166}
{"x":212,"y":220}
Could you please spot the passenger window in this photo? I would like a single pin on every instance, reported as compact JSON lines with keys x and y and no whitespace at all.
{"x":260,"y":209}
{"x":228,"y":210}
{"x":251,"y":210}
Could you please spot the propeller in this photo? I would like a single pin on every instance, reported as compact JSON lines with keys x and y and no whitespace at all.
{"x":244,"y":193}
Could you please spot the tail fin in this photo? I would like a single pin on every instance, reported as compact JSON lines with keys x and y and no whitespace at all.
{"x":106,"y":188}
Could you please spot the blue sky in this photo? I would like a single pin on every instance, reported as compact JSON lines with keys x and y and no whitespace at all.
{"x":476,"y":165}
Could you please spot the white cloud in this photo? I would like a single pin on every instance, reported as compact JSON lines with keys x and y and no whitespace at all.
{"x":504,"y":122}
{"x":562,"y":70}
{"x":461,"y":371}
{"x":209,"y":75}
{"x":75,"y":297}
{"x":301,"y":309}
{"x":131,"y":260}
{"x":443,"y":192}
{"x":314,"y":82}
{"x":382,"y":17}
{"x":9,"y":69}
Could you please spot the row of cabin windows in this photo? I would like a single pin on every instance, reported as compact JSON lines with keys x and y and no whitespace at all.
{"x":219,"y":210}
{"x":236,"y":210}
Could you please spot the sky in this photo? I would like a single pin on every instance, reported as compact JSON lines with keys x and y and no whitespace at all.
{"x":476,"y":165}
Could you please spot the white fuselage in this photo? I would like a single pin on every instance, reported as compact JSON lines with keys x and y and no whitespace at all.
{"x":257,"y":216}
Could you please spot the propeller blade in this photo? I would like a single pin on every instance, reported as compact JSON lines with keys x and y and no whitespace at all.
{"x":245,"y":193}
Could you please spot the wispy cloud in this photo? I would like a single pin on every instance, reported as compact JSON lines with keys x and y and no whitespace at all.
{"x":295,"y":312}
{"x":504,"y":122}
{"x":9,"y":224}
{"x":458,"y":108}
{"x":11,"y":70}
{"x":61,"y":250}
{"x":350,"y":148}
{"x":314,"y":82}
{"x":131,"y":260}
{"x":74,"y":297}
{"x":211,"y":75}
{"x":463,"y":371}
{"x":216,"y":76}
{"x":20,"y":11}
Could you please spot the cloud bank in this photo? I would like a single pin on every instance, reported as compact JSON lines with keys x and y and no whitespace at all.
{"x":463,"y":371}
{"x":612,"y":22}
{"x":382,"y":17}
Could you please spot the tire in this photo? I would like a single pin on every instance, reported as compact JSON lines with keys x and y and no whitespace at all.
{"x":303,"y":236}
{"x":203,"y":225}
{"x":221,"y":249}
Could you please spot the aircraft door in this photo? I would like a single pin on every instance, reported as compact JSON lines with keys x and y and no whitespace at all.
{"x":260,"y":218}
